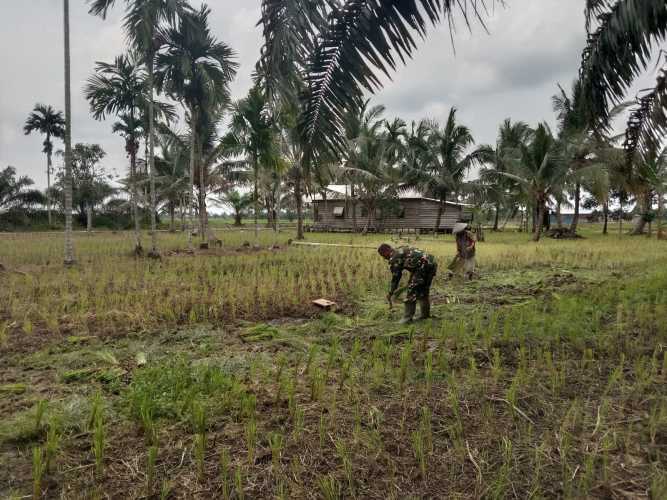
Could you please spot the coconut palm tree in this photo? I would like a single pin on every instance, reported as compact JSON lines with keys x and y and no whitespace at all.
{"x":119,"y":88}
{"x":650,"y":182}
{"x":49,"y":122}
{"x":575,"y":127}
{"x":540,"y":172}
{"x":446,"y":161}
{"x":69,"y":243}
{"x":142,"y":20}
{"x":196,"y":69}
{"x":237,"y":201}
{"x":172,"y":168}
{"x":511,"y":136}
{"x":368,"y":159}
{"x":253,"y":135}
{"x":587,"y":142}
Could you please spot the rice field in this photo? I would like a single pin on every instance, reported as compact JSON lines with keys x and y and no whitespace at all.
{"x":212,"y":376}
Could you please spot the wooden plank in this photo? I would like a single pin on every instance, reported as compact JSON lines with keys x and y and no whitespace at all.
{"x":324,"y":304}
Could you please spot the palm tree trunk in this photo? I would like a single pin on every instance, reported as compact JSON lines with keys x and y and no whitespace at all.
{"x":510,"y":217}
{"x":89,"y":218}
{"x":172,"y":217}
{"x":298,"y":198}
{"x":69,"y":244}
{"x":438,"y":219}
{"x":256,"y":196}
{"x":577,"y":200}
{"x":48,"y":178}
{"x":277,"y":218}
{"x":641,"y":221}
{"x":182,"y":213}
{"x":138,"y":250}
{"x":193,"y":142}
{"x":605,"y":213}
{"x":540,"y":219}
{"x":559,"y":216}
{"x":496,"y":219}
{"x":268,"y":206}
{"x":151,"y":153}
{"x":371,"y":213}
{"x":354,"y":208}
{"x":661,"y":214}
{"x":202,"y":198}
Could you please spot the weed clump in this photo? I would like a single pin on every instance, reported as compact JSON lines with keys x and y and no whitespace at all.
{"x":168,"y":390}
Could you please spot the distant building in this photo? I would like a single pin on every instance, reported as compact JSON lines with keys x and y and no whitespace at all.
{"x":411,"y":212}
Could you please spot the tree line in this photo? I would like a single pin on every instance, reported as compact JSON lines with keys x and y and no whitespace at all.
{"x":307,"y":122}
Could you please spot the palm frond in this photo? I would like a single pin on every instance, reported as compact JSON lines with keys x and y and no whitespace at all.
{"x":647,"y":124}
{"x":290,"y":29}
{"x":100,"y":7}
{"x":593,"y":9}
{"x":363,"y":39}
{"x":617,"y":52}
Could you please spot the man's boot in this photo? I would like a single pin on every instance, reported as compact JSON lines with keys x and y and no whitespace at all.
{"x":409,"y":312}
{"x":425,"y":308}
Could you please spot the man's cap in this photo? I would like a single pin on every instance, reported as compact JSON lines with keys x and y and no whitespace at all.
{"x":460,"y":227}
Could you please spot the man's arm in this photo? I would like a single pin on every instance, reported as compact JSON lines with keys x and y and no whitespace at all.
{"x":396,"y":275}
{"x":396,"y":269}
{"x":471,"y":240}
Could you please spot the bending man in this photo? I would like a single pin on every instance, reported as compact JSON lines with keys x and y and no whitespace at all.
{"x":422,"y":268}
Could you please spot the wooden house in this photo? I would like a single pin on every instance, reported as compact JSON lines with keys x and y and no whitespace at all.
{"x":410,"y":212}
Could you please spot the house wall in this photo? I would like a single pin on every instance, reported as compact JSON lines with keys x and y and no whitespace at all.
{"x":419,"y":214}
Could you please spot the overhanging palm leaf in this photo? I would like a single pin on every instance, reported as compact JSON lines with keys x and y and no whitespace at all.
{"x":290,"y":29}
{"x":618,"y":51}
{"x":647,"y":124}
{"x":363,"y":38}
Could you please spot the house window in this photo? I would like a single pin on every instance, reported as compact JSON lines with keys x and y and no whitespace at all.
{"x":339,"y":211}
{"x":401,"y":213}
{"x":364,"y":212}
{"x":316,"y":213}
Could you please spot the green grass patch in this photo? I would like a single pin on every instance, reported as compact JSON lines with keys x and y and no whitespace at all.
{"x":167,"y":390}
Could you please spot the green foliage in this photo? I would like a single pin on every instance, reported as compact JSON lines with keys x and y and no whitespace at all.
{"x":38,"y":470}
{"x":99,"y":435}
{"x":225,"y":473}
{"x":14,"y":192}
{"x":330,"y":488}
{"x":167,"y":390}
{"x":151,"y":458}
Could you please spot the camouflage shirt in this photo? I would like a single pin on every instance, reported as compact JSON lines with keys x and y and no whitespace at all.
{"x":409,"y":259}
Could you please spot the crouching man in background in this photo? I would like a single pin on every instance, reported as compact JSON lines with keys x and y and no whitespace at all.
{"x":465,"y":251}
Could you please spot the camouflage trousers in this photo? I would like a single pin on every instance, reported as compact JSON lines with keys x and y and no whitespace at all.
{"x":419,"y":285}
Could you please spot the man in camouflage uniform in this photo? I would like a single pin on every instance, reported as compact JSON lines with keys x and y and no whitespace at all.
{"x":422,"y":268}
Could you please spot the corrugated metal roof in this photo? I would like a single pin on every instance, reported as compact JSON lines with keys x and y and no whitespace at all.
{"x":340,"y":191}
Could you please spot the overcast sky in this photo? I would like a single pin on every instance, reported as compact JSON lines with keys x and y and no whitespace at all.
{"x":510,"y":72}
